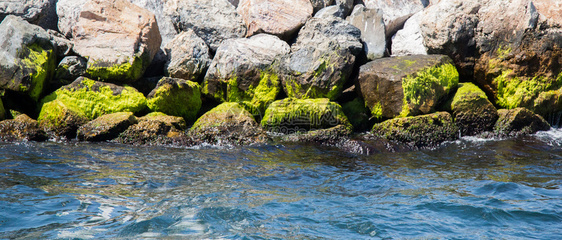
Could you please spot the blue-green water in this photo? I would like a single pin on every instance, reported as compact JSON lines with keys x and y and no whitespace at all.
{"x":469,"y":189}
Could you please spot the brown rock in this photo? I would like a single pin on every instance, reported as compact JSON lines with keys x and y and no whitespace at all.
{"x":106,"y":127}
{"x":21,"y":128}
{"x":519,"y":121}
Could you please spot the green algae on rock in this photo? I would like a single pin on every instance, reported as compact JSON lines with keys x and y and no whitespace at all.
{"x":472,"y":111}
{"x":425,"y":131}
{"x":127,"y":71}
{"x":408,"y":85}
{"x":519,"y":121}
{"x":292,"y":115}
{"x":106,"y":127}
{"x":176,"y":97}
{"x":228,"y":123}
{"x":59,"y":120}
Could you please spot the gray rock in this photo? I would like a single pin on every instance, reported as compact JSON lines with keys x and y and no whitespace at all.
{"x":212,"y":20}
{"x":69,"y":69}
{"x":278,"y":17}
{"x":27,"y":57}
{"x":317,"y":5}
{"x":68,"y":12}
{"x":188,"y":56}
{"x":39,"y":12}
{"x":396,"y":12}
{"x":346,"y":4}
{"x":331,"y":11}
{"x":241,"y":71}
{"x":165,"y":23}
{"x":325,"y":34}
{"x":409,"y":40}
{"x":371,"y":24}
{"x":62,"y":45}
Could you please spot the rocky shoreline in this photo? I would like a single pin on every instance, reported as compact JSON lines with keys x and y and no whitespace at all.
{"x":365,"y":76}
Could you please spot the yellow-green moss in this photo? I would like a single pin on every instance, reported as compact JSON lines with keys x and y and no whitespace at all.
{"x":93,"y":104}
{"x":467,"y":91}
{"x":215,"y":117}
{"x":126,"y":71}
{"x":426,"y":83}
{"x":513,"y":91}
{"x":43,"y":62}
{"x":53,"y":114}
{"x":177,"y":100}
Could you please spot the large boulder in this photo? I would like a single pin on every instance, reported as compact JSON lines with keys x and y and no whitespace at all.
{"x":241,"y":72}
{"x":118,"y":38}
{"x":425,"y":131}
{"x":27,"y":57}
{"x":321,"y":60}
{"x":371,"y":24}
{"x":188,"y":56}
{"x":278,"y":17}
{"x":472,"y":111}
{"x":228,"y":123}
{"x":106,"y":127}
{"x":519,"y":121}
{"x":212,"y":20}
{"x":292,"y":115}
{"x":408,"y":85}
{"x":40,"y":12}
{"x":21,"y":128}
{"x":155,"y":129}
{"x":176,"y":97}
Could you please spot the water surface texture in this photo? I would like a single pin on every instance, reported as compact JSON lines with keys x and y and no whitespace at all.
{"x":469,"y":189}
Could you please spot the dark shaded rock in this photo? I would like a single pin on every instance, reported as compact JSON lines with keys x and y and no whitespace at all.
{"x":2,"y":111}
{"x":426,"y":131}
{"x":358,"y":115}
{"x":408,"y":85}
{"x":69,"y":69}
{"x":299,"y":115}
{"x":21,"y":128}
{"x":39,"y":12}
{"x":155,"y":129}
{"x":188,"y":56}
{"x":177,"y":97}
{"x":228,"y":123}
{"x":62,"y":45}
{"x":472,"y":111}
{"x":519,"y":121}
{"x":27,"y":57}
{"x":106,"y":127}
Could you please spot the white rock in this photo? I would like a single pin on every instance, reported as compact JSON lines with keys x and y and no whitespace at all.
{"x":371,"y":24}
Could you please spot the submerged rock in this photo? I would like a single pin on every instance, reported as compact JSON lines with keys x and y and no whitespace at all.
{"x":371,"y":24}
{"x":212,"y":20}
{"x":472,"y":111}
{"x":298,"y":115}
{"x":407,"y":86}
{"x":118,"y":38}
{"x":154,"y":129}
{"x":241,"y":72}
{"x":188,"y":56}
{"x":278,"y":17}
{"x":424,"y":131}
{"x":21,"y":128}
{"x":176,"y":97}
{"x":519,"y":121}
{"x":27,"y":57}
{"x":106,"y":127}
{"x":321,"y":60}
{"x":228,"y":123}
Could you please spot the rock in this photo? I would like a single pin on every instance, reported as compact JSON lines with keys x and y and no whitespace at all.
{"x":336,"y":11}
{"x":519,"y":121}
{"x":93,"y":99}
{"x":358,"y":115}
{"x":27,"y":57}
{"x":317,"y":5}
{"x":118,"y":38}
{"x":69,"y":69}
{"x":321,"y":60}
{"x":39,"y":12}
{"x":62,"y":45}
{"x":68,"y":12}
{"x":106,"y":127}
{"x":176,"y":97}
{"x":333,"y":136}
{"x":21,"y":128}
{"x":278,"y":17}
{"x":212,"y":20}
{"x":228,"y":123}
{"x":472,"y":111}
{"x":60,"y":121}
{"x":154,"y":129}
{"x":426,"y":131}
{"x":165,"y":22}
{"x":371,"y":24}
{"x":2,"y":111}
{"x":297,"y":115}
{"x":408,"y":85}
{"x":396,"y":12}
{"x":234,"y":2}
{"x":241,"y":72}
{"x":145,"y":85}
{"x":346,"y":4}
{"x":188,"y":56}
{"x":409,"y":40}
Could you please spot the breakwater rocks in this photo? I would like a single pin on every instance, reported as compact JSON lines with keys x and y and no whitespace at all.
{"x":365,"y":76}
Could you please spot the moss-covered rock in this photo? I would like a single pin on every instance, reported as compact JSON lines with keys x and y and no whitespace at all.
{"x":21,"y":128}
{"x":420,"y":131}
{"x":333,"y":136}
{"x":408,"y":85}
{"x":106,"y":127}
{"x":292,"y":115}
{"x":228,"y":123}
{"x":155,"y":129}
{"x":59,"y":120}
{"x":176,"y":97}
{"x":519,"y":121}
{"x":472,"y":111}
{"x":357,"y":114}
{"x":92,"y":99}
